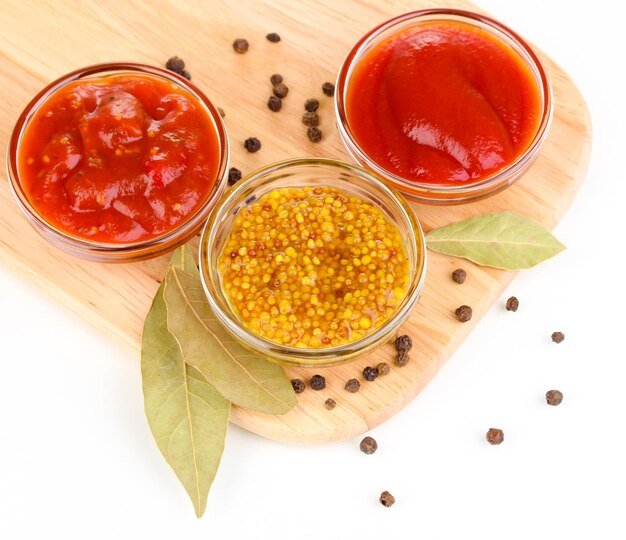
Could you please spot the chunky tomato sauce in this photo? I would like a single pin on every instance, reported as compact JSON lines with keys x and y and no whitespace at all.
{"x":443,"y":103}
{"x":119,"y":159}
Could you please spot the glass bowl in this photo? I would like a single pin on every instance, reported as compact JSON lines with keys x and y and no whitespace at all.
{"x":438,"y":194}
{"x":301,"y":173}
{"x":117,"y":252}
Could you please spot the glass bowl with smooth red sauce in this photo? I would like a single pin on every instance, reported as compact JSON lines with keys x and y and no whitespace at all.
{"x":118,"y":162}
{"x":448,"y":106}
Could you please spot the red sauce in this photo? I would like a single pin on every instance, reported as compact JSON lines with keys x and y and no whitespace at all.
{"x":443,"y":103}
{"x":119,"y":159}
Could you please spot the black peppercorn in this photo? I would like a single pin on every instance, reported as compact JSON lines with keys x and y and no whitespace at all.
{"x":558,"y":337}
{"x":298,"y":385}
{"x":252,"y":144}
{"x":186,"y":74}
{"x":495,"y":436}
{"x":221,"y":111}
{"x":403,"y":343}
{"x":402,"y":358}
{"x":370,"y":373}
{"x":241,"y":45}
{"x":317,"y":382}
{"x":276,"y":78}
{"x":330,"y":404}
{"x":314,"y":134}
{"x":273,"y":37}
{"x":175,"y":64}
{"x":368,"y":445}
{"x":280,"y":90}
{"x":234,"y":175}
{"x":554,"y":397}
{"x":459,"y":275}
{"x":463,"y":313}
{"x":512,"y":304}
{"x":311,"y":105}
{"x":310,"y":118}
{"x":353,"y":386}
{"x":274,"y":103}
{"x":328,"y":89}
{"x":387,"y":499}
{"x":383,"y":369}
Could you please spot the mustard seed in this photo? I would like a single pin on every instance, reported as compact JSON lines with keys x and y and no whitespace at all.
{"x":298,"y":385}
{"x":306,"y":290}
{"x":495,"y":436}
{"x":318,"y":382}
{"x":554,"y":397}
{"x":330,"y":404}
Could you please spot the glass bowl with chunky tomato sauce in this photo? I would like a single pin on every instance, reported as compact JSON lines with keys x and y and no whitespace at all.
{"x":448,"y":106}
{"x":118,"y":162}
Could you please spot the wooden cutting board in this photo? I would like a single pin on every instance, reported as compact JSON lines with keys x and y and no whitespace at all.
{"x":43,"y":39}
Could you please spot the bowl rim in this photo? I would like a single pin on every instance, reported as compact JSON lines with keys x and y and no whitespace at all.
{"x":163,"y":241}
{"x":434,"y":192}
{"x":320,"y":357}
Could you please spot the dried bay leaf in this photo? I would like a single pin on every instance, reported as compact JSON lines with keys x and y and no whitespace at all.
{"x":188,"y":417}
{"x":183,"y":259}
{"x":505,"y":240}
{"x":241,"y":376}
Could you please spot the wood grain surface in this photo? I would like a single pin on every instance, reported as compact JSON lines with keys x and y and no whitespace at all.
{"x":43,"y":39}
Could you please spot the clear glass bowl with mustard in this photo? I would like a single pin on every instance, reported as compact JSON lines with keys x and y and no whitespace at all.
{"x":312,"y":262}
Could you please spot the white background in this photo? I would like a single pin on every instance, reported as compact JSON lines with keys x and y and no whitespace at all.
{"x":77,"y":459}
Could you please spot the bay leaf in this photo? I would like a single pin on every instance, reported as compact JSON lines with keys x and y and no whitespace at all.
{"x":241,"y":376}
{"x":505,"y":240}
{"x":183,"y":259}
{"x":188,"y":418}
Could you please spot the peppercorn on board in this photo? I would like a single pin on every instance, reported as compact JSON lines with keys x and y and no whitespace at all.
{"x":41,"y":40}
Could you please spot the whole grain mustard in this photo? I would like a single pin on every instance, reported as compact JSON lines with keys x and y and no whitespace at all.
{"x":313,"y":267}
